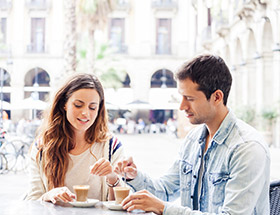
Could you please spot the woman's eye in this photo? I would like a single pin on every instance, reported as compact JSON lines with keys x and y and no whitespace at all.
{"x":92,"y":108}
{"x":78,"y":106}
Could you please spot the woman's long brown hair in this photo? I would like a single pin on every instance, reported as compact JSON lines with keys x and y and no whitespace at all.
{"x":56,"y":133}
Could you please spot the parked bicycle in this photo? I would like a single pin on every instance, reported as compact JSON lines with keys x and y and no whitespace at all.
{"x":13,"y":153}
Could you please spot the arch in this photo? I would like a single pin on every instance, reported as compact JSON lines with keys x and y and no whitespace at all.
{"x":227,"y":55}
{"x":163,"y":78}
{"x":267,"y":37}
{"x":37,"y":75}
{"x":36,"y":80}
{"x":252,"y":54}
{"x":252,"y":45}
{"x":238,"y":52}
{"x":6,"y":78}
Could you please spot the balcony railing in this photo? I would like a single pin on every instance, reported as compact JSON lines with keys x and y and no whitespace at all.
{"x":164,"y":4}
{"x":119,"y":49}
{"x":38,"y":4}
{"x":123,"y":5}
{"x":33,"y":48}
{"x":5,"y":4}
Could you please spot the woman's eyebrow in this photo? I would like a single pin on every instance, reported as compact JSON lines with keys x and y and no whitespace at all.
{"x":78,"y":100}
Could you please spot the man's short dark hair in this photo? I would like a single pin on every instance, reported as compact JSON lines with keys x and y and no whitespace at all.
{"x":209,"y":72}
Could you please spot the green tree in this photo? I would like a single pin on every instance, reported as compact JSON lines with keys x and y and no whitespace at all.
{"x":92,"y":15}
{"x":70,"y":61}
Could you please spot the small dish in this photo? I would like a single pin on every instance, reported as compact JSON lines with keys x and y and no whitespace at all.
{"x":113,"y":206}
{"x":88,"y":203}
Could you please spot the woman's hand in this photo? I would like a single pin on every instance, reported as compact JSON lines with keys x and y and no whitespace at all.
{"x":102,"y":167}
{"x":126,"y":166}
{"x":59,"y":194}
{"x":143,"y":200}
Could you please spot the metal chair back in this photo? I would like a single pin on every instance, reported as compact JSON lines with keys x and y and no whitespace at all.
{"x":274,"y":197}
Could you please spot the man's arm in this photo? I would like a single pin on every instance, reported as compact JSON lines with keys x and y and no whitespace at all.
{"x":248,"y":183}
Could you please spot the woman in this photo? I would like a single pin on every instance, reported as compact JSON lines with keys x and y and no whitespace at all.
{"x":74,"y":146}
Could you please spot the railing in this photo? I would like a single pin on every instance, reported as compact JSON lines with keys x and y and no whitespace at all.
{"x":33,"y":48}
{"x":123,"y":5}
{"x":119,"y":48}
{"x":5,"y":5}
{"x":38,"y":4}
{"x":164,"y":4}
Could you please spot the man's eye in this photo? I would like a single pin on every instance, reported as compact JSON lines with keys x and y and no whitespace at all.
{"x":189,"y":99}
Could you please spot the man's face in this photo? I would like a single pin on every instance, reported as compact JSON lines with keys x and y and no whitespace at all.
{"x":197,"y":108}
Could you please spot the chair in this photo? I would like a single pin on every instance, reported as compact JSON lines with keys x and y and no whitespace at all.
{"x":274,"y":197}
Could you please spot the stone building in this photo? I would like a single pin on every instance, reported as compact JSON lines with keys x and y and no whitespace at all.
{"x":150,"y":39}
{"x":247,"y":35}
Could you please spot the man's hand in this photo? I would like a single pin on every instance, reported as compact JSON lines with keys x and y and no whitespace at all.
{"x":143,"y":200}
{"x":126,"y":166}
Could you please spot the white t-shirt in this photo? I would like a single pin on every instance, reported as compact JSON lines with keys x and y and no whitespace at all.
{"x":78,"y":172}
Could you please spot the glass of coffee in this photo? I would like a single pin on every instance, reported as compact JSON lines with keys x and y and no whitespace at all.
{"x":121,"y":193}
{"x":81,"y":192}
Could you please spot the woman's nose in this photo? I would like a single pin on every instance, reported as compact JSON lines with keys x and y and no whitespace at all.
{"x":84,"y":111}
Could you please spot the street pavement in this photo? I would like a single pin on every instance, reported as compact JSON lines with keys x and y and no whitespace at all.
{"x":152,"y":153}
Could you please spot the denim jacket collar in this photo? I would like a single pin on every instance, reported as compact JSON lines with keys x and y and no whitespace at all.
{"x":223,"y":131}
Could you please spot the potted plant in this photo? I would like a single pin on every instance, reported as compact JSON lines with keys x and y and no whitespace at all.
{"x":269,"y":115}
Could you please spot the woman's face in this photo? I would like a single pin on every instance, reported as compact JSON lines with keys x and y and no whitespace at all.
{"x":82,"y":109}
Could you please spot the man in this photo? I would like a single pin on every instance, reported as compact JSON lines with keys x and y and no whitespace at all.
{"x":224,"y":164}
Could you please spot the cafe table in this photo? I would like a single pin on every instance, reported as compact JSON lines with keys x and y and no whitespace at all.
{"x":46,"y":208}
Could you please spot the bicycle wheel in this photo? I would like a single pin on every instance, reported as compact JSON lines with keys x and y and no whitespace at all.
{"x":22,"y":160}
{"x":3,"y":164}
{"x":9,"y":150}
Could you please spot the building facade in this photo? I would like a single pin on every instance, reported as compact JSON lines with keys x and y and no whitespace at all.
{"x":149,"y":40}
{"x":247,"y":35}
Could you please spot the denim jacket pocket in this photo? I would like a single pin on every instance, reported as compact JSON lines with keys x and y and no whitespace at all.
{"x":217,"y":182}
{"x":186,"y":175}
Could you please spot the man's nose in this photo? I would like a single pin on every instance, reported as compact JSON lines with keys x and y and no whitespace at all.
{"x":184,"y":105}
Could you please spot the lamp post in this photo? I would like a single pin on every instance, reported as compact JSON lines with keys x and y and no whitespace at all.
{"x":2,"y":83}
{"x":35,"y":93}
{"x":163,"y":79}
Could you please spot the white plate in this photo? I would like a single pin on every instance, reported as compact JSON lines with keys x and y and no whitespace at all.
{"x":113,"y":206}
{"x":88,"y":203}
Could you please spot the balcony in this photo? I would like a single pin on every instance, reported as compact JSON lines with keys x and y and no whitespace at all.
{"x":119,"y":48}
{"x":5,"y":4}
{"x":34,"y":48}
{"x":165,"y":5}
{"x":123,"y":5}
{"x":38,"y":4}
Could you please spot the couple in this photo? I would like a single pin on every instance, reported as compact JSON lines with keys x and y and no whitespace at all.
{"x":223,"y":166}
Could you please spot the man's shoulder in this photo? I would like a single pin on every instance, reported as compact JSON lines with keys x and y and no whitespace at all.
{"x":244,"y":133}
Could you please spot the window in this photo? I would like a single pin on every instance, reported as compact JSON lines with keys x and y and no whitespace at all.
{"x":163,"y":78}
{"x":37,"y":35}
{"x":163,"y":43}
{"x":3,"y":34}
{"x":116,"y":35}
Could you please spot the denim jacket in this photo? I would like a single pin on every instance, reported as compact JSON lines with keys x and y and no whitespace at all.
{"x":236,"y":173}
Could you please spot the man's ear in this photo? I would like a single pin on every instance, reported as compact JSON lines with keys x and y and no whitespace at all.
{"x":218,"y":96}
